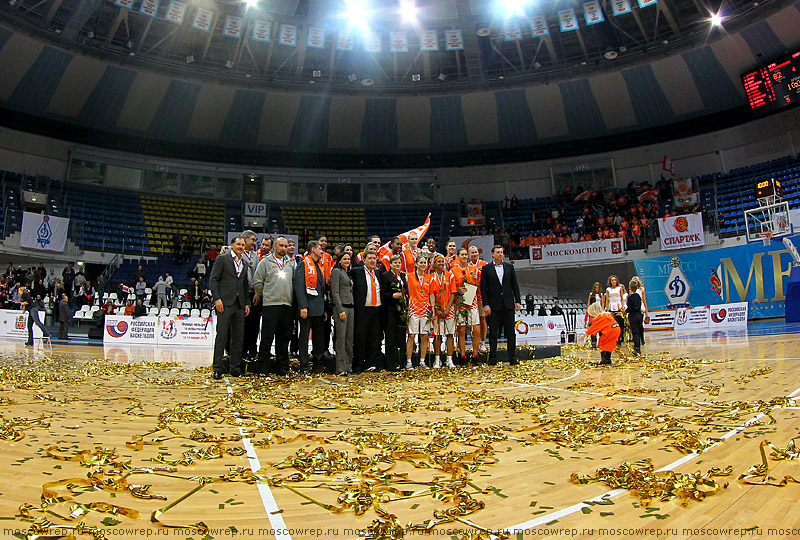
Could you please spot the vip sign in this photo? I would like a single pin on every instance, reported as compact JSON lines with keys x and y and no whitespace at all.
{"x":255,"y":210}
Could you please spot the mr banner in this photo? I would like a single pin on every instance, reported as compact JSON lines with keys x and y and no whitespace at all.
{"x":575,"y":252}
{"x":751,"y":273}
{"x":43,"y":232}
{"x":681,"y":231}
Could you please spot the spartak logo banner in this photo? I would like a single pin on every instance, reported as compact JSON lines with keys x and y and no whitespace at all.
{"x":681,"y":232}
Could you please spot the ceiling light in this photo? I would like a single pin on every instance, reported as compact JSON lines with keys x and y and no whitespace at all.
{"x":367,"y":82}
{"x":623,"y":48}
{"x":416,"y":77}
{"x":251,"y":3}
{"x":356,"y":12}
{"x":90,"y":35}
{"x":316,"y":73}
{"x":716,"y":19}
{"x":537,"y":66}
{"x":129,"y":44}
{"x":442,"y":77}
{"x":610,"y":54}
{"x":190,"y":59}
{"x":12,"y":3}
{"x":229,"y":64}
{"x":483,"y":31}
{"x":408,"y":11}
{"x":352,"y":77}
{"x":511,"y":9}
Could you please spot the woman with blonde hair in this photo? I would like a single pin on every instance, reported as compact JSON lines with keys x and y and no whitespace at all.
{"x":614,"y":300}
{"x":596,"y":295}
{"x":609,"y":329}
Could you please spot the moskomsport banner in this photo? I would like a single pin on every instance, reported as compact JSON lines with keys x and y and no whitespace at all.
{"x":483,"y":243}
{"x":14,"y":324}
{"x":43,"y":232}
{"x":681,"y":232}
{"x":193,"y":332}
{"x":751,"y":273}
{"x":578,"y":252}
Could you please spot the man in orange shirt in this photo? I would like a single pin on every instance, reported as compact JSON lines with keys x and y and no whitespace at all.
{"x":442,"y":296}
{"x":419,"y":309}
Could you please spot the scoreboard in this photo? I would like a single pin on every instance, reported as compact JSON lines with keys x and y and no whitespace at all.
{"x":774,"y":85}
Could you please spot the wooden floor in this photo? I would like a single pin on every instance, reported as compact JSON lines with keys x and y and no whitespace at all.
{"x":142,"y":443}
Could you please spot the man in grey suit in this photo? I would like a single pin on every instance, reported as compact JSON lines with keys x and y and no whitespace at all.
{"x":230,"y":293}
{"x":309,"y":290}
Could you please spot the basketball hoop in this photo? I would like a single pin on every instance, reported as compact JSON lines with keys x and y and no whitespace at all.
{"x":766,"y":237}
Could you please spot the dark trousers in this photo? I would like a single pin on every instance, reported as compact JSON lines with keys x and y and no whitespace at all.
{"x":605,"y":357}
{"x":33,"y":318}
{"x":504,"y":319}
{"x":63,"y":329}
{"x":621,"y":322}
{"x":367,"y":339}
{"x":252,"y":326}
{"x":276,"y":324}
{"x":316,"y":326}
{"x":328,"y":328}
{"x":395,"y":338}
{"x":229,"y":323}
{"x":635,"y":320}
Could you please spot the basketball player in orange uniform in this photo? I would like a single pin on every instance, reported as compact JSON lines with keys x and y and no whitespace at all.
{"x":442,"y":294}
{"x":474,"y":258}
{"x":465,"y":273}
{"x":419,"y":308}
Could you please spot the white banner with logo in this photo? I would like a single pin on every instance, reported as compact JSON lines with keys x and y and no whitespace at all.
{"x":681,"y":232}
{"x":700,"y":317}
{"x":175,"y":12}
{"x":453,"y":40}
{"x":483,"y":243}
{"x":14,"y":324}
{"x":530,"y":327}
{"x":692,"y":318}
{"x":428,"y":40}
{"x":191,"y":332}
{"x":539,"y":25}
{"x":287,"y":35}
{"x":47,"y":233}
{"x":660,"y":319}
{"x":202,"y":19}
{"x":149,"y":8}
{"x":398,"y":41}
{"x":262,"y":31}
{"x":577,"y":252}
{"x":728,"y":315}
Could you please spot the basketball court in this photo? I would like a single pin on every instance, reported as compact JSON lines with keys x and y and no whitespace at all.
{"x":141,"y":442}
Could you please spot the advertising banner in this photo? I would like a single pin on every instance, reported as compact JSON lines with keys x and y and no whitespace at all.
{"x":577,"y":252}
{"x":191,"y":332}
{"x":660,"y":319}
{"x":531,"y":327}
{"x":681,"y":232}
{"x":692,"y":318}
{"x":14,"y":324}
{"x":43,"y":232}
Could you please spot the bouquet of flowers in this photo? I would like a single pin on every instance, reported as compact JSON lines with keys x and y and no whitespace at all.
{"x":402,"y":302}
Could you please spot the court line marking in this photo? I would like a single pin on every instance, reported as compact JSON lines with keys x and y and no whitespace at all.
{"x":613,"y":493}
{"x":276,"y":521}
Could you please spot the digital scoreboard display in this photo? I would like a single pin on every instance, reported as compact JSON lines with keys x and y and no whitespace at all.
{"x":767,"y":188}
{"x":775,"y":85}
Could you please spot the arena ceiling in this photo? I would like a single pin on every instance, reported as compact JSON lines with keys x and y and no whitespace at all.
{"x":93,"y":72}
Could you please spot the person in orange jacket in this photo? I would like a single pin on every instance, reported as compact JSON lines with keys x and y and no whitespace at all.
{"x":607,"y":326}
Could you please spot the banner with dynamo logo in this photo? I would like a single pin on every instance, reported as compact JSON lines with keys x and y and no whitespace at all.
{"x":681,"y":232}
{"x":43,"y":232}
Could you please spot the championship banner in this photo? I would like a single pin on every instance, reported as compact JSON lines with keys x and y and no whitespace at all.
{"x":202,"y":19}
{"x":592,"y":12}
{"x":620,"y":7}
{"x":287,"y":35}
{"x":344,"y":40}
{"x":42,"y":232}
{"x":125,"y":4}
{"x":681,"y":232}
{"x":577,"y":252}
{"x":428,"y":40}
{"x":262,"y":31}
{"x":539,"y":25}
{"x":646,"y":3}
{"x":372,"y":42}
{"x":316,"y":37}
{"x":398,"y":42}
{"x":149,"y":8}
{"x":14,"y":324}
{"x":233,"y":27}
{"x":512,"y":31}
{"x":483,"y":243}
{"x":567,"y":19}
{"x":122,"y":329}
{"x":175,"y":12}
{"x":453,"y":40}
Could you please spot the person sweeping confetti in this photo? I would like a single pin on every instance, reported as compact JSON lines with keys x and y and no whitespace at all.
{"x":607,"y":326}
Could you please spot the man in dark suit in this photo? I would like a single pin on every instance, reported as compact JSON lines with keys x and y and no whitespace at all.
{"x":229,"y":291}
{"x":394,"y":291}
{"x":309,"y":291}
{"x":367,"y":310}
{"x":64,"y":316}
{"x":500,"y":293}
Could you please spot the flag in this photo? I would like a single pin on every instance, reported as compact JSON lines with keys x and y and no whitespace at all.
{"x":650,"y":195}
{"x":668,"y":166}
{"x":421,"y":230}
{"x":586,"y":196}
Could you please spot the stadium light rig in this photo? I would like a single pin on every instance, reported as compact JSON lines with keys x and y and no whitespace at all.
{"x":716,"y":19}
{"x":511,"y":9}
{"x":251,"y":3}
{"x":357,"y":14}
{"x":408,"y":12}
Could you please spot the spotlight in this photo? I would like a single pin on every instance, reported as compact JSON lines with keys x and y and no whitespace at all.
{"x":12,"y":3}
{"x":512,"y":8}
{"x":229,"y":64}
{"x":190,"y":59}
{"x":537,"y":66}
{"x":352,"y":77}
{"x":623,"y":48}
{"x":416,"y":77}
{"x":251,"y":3}
{"x":408,"y":12}
{"x":90,"y":35}
{"x":716,"y":19}
{"x":316,"y":73}
{"x":442,"y":77}
{"x":356,"y":12}
{"x":57,"y":30}
{"x":129,"y":44}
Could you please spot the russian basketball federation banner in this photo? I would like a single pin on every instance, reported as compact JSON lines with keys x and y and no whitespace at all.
{"x":681,"y":231}
{"x":47,"y":233}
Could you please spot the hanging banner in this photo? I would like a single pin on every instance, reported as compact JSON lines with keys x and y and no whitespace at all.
{"x":620,"y":7}
{"x":453,"y":40}
{"x":567,"y":20}
{"x":262,"y":31}
{"x":125,"y":4}
{"x":149,"y":8}
{"x":577,"y":251}
{"x":539,"y":25}
{"x":287,"y":35}
{"x":316,"y":37}
{"x":512,"y":31}
{"x":203,"y":18}
{"x":646,"y":3}
{"x":681,"y":232}
{"x":483,"y":243}
{"x":428,"y":40}
{"x":47,"y":233}
{"x":234,"y":26}
{"x":175,"y":12}
{"x":398,"y":41}
{"x":344,"y":40}
{"x":592,"y":12}
{"x":372,"y":42}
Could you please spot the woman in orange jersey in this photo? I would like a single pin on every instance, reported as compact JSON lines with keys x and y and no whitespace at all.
{"x":419,"y":307}
{"x":442,"y":295}
{"x":477,"y":262}
{"x":466,"y":273}
{"x":609,"y":329}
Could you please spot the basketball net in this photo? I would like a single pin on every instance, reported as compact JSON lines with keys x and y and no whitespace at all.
{"x":766,"y":237}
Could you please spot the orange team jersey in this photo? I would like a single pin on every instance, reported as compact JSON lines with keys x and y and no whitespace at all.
{"x":607,"y":324}
{"x":387,"y":262}
{"x":462,"y":276}
{"x":450,"y":260}
{"x":441,"y":287}
{"x":409,"y":260}
{"x":479,"y":265}
{"x":419,"y":301}
{"x":327,"y":265}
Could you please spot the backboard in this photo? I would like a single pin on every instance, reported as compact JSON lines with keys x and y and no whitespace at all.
{"x":767,"y":222}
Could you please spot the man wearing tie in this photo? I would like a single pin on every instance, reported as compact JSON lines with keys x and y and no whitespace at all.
{"x":309,"y":290}
{"x":367,"y":310}
{"x":500,"y":295}
{"x":230,"y":293}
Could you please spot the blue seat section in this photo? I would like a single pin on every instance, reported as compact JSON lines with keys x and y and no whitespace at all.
{"x":390,"y":221}
{"x":153,"y":268}
{"x":11,"y":216}
{"x":736,"y":189}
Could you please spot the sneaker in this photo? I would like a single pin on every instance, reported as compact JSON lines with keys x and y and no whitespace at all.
{"x":423,"y":365}
{"x":409,"y":365}
{"x":484,"y":347}
{"x":437,"y":364}
{"x":450,"y":363}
